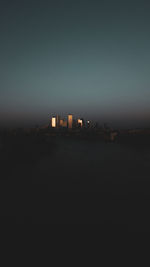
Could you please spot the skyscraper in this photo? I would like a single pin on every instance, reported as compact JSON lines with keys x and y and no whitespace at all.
{"x":88,"y":124}
{"x":57,"y":121}
{"x":61,"y":122}
{"x":53,"y":122}
{"x":70,"y":121}
{"x":80,"y":122}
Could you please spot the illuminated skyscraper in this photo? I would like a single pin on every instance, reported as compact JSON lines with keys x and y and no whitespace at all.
{"x":54,"y":122}
{"x":70,"y":121}
{"x":80,"y":122}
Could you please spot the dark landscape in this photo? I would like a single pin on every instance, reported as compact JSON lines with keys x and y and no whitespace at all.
{"x":75,"y":178}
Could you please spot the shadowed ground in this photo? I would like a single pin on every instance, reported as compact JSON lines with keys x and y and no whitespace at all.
{"x":58,"y":179}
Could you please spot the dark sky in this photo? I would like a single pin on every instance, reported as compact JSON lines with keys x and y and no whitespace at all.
{"x":89,"y":58}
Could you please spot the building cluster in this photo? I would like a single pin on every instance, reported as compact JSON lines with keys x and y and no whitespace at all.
{"x":70,"y":122}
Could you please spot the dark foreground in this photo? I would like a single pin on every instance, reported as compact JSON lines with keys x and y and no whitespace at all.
{"x":66,"y":180}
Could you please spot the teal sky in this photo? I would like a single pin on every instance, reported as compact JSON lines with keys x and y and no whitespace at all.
{"x":89,"y":58}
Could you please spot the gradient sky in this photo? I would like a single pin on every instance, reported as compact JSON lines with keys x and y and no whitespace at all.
{"x":89,"y":58}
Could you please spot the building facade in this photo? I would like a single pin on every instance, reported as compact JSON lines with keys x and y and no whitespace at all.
{"x":70,"y":121}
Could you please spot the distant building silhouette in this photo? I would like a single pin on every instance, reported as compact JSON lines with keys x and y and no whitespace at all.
{"x":53,"y":122}
{"x":70,"y":121}
{"x":80,"y":123}
{"x":63,"y":123}
{"x":88,"y":124}
{"x":57,"y":121}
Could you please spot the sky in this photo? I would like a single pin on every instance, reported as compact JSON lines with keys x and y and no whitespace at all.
{"x":88,"y":58}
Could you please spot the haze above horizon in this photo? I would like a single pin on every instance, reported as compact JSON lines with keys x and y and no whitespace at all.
{"x":89,"y":58}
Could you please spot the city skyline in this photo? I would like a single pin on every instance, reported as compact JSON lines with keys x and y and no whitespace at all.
{"x":67,"y":122}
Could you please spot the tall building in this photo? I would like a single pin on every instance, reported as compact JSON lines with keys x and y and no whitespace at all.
{"x":57,"y":121}
{"x":80,"y":122}
{"x":88,"y":124}
{"x":53,"y":122}
{"x":70,"y":121}
{"x":65,"y":124}
{"x":61,"y":122}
